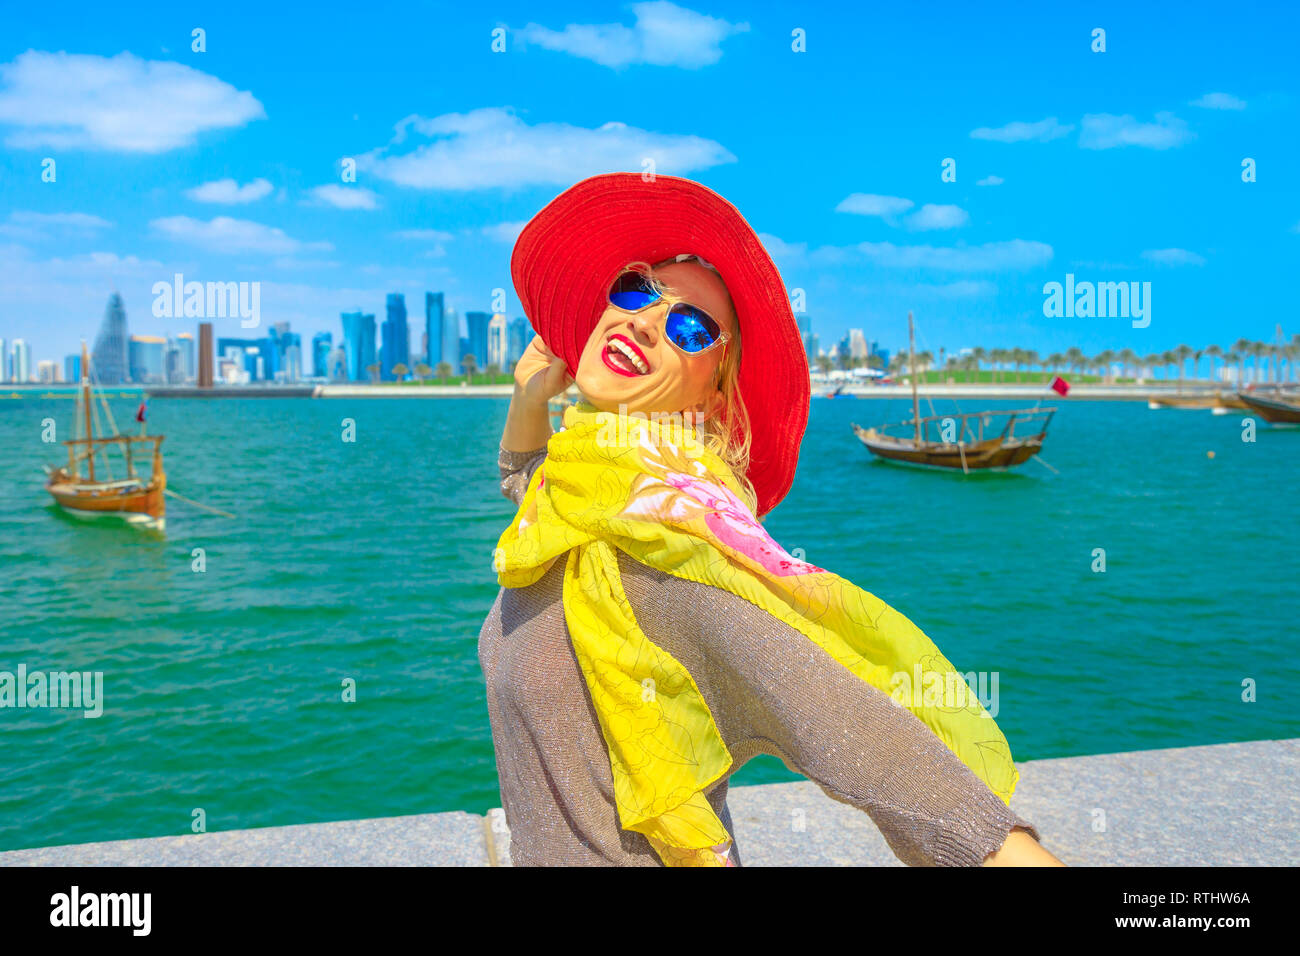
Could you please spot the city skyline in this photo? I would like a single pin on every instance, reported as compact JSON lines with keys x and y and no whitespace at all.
{"x":948,"y":187}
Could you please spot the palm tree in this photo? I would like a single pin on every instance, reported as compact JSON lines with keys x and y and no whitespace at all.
{"x":924,"y":360}
{"x":470,"y":364}
{"x":1233,"y":357}
{"x":373,"y":369}
{"x":493,"y":370}
{"x":1213,"y":351}
{"x":1104,"y":361}
{"x":1181,"y":354}
{"x":1127,"y":357}
{"x":1074,"y":356}
{"x":1242,"y":348}
{"x":400,"y":371}
{"x":443,"y":371}
{"x":422,"y":371}
{"x":979,"y":355}
{"x":823,"y":363}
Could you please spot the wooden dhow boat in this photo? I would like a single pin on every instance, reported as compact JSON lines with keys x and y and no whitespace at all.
{"x":139,"y":499}
{"x":1277,"y":407}
{"x":966,"y":440}
{"x":1195,"y":400}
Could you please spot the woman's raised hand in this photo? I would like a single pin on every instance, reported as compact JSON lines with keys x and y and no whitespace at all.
{"x":540,"y":374}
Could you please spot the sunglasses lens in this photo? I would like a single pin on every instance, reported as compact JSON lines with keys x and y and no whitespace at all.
{"x":690,"y":329}
{"x":632,"y":292}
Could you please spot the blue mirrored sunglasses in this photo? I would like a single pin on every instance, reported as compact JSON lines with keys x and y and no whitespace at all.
{"x":688,"y":327}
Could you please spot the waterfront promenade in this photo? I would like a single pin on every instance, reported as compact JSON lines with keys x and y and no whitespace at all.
{"x":1030,"y":392}
{"x":1220,"y":805}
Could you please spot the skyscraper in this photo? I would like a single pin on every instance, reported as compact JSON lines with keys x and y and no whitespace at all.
{"x":205,"y":355}
{"x":21,"y":370}
{"x":72,"y":368}
{"x":321,"y":345}
{"x":497,"y":345}
{"x":397,"y":339}
{"x":477,"y":333}
{"x":520,"y":334}
{"x":146,"y":358}
{"x":359,"y":342}
{"x":185,"y":342}
{"x":109,"y":359}
{"x":451,"y":338}
{"x":4,"y":361}
{"x":173,"y":362}
{"x":434,"y":308}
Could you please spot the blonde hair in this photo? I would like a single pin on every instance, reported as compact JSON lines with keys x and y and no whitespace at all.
{"x":727,"y":432}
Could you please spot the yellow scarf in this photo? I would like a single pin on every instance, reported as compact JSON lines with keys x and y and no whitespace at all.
{"x":651,"y":490}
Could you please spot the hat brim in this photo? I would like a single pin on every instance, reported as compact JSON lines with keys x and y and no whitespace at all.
{"x":569,"y":253}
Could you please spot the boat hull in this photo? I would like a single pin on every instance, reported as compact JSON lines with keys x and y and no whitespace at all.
{"x":137,"y":505}
{"x":993,"y":453}
{"x":1194,"y":401}
{"x":1272,"y":410}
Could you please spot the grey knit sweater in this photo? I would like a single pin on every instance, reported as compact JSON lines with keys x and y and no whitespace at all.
{"x":771,"y":691}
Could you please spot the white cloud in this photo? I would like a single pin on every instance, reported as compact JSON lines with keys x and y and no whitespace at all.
{"x":122,"y":103}
{"x":991,"y":181}
{"x":505,"y":231}
{"x":931,"y":216}
{"x":1173,"y":257}
{"x":492,"y":147}
{"x":871,"y":204}
{"x":664,"y":35}
{"x":345,"y":197}
{"x":989,"y":257}
{"x":1042,"y":131}
{"x":227,"y":235}
{"x":1220,"y":101}
{"x":778,"y":248}
{"x":230,"y":192}
{"x":424,"y":235}
{"x":40,"y":225}
{"x":1106,"y":131}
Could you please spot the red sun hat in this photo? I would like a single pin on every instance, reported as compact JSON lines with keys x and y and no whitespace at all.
{"x":569,"y":254}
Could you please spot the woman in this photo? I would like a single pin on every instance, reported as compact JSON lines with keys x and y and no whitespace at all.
{"x":650,"y":637}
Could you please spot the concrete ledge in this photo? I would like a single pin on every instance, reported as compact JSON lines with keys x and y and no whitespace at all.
{"x":1220,"y":805}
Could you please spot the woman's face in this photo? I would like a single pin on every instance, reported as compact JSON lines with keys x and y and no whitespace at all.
{"x":673,"y":381}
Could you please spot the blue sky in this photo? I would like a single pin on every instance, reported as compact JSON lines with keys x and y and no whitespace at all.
{"x":1115,"y":166}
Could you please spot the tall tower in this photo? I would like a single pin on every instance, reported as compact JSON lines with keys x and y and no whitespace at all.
{"x":109,"y":360}
{"x":396,"y":338}
{"x":433,"y":341}
{"x":205,"y":355}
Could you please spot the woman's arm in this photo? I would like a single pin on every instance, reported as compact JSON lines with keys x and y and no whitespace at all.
{"x":773,"y":689}
{"x":539,"y":375}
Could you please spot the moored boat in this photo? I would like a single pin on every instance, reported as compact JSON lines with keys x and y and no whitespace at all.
{"x":1273,"y":407}
{"x":1198,"y":400}
{"x":962,"y":442}
{"x":139,"y":499}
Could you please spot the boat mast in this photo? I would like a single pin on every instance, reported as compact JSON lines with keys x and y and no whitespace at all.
{"x":911,"y":345}
{"x":85,"y":397}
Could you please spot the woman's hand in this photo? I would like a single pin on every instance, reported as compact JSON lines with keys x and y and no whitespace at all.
{"x":540,"y":374}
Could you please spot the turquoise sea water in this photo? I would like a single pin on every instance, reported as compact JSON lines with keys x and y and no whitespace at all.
{"x":372,"y":561}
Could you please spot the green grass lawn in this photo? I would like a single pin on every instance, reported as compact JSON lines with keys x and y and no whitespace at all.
{"x":480,"y":378}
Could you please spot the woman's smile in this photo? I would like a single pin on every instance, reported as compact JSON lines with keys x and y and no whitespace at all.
{"x":623,"y":357}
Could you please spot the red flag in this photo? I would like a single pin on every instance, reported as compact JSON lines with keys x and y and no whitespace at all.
{"x":139,"y":414}
{"x":1060,"y":386}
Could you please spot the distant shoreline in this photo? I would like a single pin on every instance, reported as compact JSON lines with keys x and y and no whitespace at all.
{"x":1036,"y":391}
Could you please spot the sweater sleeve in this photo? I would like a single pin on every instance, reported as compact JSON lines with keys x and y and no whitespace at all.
{"x":770,"y":686}
{"x":516,"y":468}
